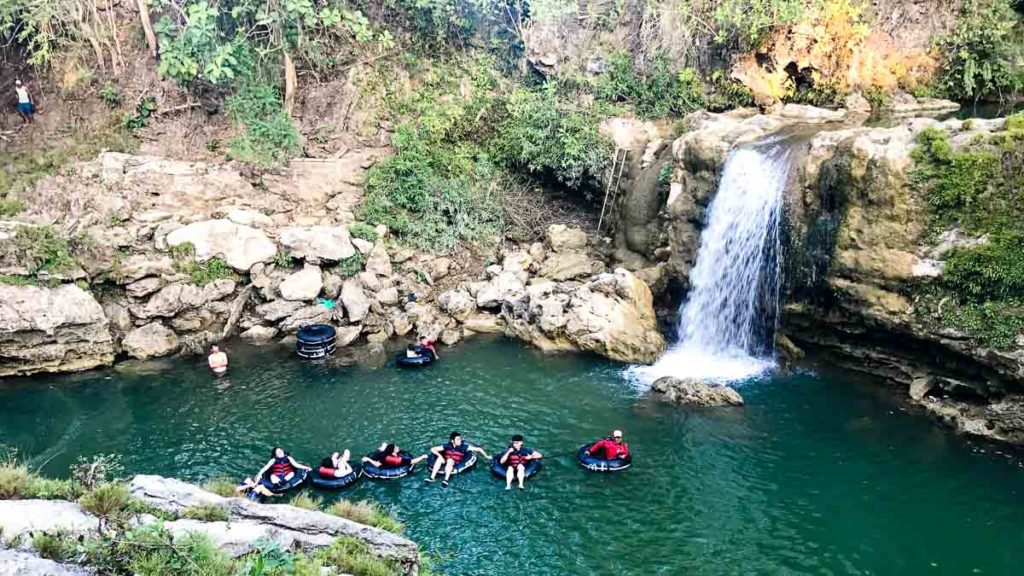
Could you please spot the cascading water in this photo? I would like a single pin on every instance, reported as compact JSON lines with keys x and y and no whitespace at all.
{"x":727,"y":324}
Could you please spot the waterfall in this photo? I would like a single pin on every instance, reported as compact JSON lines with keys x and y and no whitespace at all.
{"x":727,"y":323}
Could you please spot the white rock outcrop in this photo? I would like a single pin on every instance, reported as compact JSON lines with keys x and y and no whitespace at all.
{"x":240,"y":246}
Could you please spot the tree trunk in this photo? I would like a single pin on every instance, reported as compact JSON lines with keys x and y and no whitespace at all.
{"x":290,"y":83}
{"x":147,"y":26}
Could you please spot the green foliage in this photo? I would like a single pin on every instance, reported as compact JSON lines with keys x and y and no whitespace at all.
{"x":39,"y":249}
{"x":983,"y":53}
{"x":95,"y":470}
{"x":206,"y":513}
{"x":543,"y":135}
{"x":110,"y":94}
{"x":106,"y":501}
{"x":369,"y":513}
{"x":154,"y":550}
{"x":14,"y":476}
{"x":433,"y":196}
{"x":283,"y":259}
{"x":306,"y":502}
{"x":220,"y":486}
{"x":363,"y":231}
{"x":269,"y":137}
{"x":194,"y":48}
{"x":52,"y":489}
{"x":692,"y":95}
{"x":56,"y":546}
{"x":352,"y":556}
{"x":352,"y":265}
{"x":201,"y":273}
{"x":654,"y":93}
{"x":10,"y":206}
{"x":724,"y":93}
{"x":978,"y":190}
{"x":750,"y":22}
{"x":140,"y":118}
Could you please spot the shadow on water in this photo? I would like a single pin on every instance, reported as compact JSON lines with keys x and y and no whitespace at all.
{"x":816,"y":475}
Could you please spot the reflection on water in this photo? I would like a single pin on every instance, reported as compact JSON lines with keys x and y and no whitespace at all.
{"x":816,"y":475}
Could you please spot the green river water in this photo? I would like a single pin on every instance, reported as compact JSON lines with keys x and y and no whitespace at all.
{"x":818,"y":474}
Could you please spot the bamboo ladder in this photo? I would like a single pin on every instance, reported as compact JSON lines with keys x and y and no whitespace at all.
{"x":612,"y":189}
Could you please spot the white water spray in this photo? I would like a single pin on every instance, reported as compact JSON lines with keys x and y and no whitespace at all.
{"x":727,"y":323}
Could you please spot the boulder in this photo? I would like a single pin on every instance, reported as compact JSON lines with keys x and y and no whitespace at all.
{"x":318,"y":243}
{"x":518,"y":261}
{"x":378,"y":261}
{"x":259,"y":334}
{"x":332,"y":285}
{"x":61,"y":329}
{"x":364,"y":246}
{"x":303,"y":285}
{"x":355,"y":300}
{"x":277,"y":309}
{"x":144,"y":287}
{"x":457,"y":303}
{"x":370,"y":281}
{"x":23,"y":517}
{"x":450,"y":337}
{"x":139,"y":266}
{"x":175,"y":298}
{"x":694,"y":392}
{"x":613,"y":315}
{"x":484,"y":324}
{"x":562,"y":238}
{"x":18,"y":563}
{"x":346,"y":335}
{"x":503,"y":287}
{"x":240,"y":246}
{"x":562,"y":266}
{"x":149,"y":341}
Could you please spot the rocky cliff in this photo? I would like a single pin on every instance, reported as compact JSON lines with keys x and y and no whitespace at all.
{"x":168,"y":256}
{"x":859,"y":257}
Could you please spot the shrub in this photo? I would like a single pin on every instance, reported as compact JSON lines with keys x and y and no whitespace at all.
{"x":110,"y":94}
{"x":306,"y":502}
{"x":201,"y":273}
{"x":106,"y":501}
{"x":725,"y":93}
{"x":39,"y":249}
{"x":268,"y":138}
{"x":352,"y":556}
{"x":221,"y":486}
{"x":979,"y":54}
{"x":543,"y":135}
{"x":352,"y":265}
{"x":653,"y":93}
{"x":206,"y":513}
{"x":56,"y":546}
{"x":363,"y":231}
{"x":154,"y":550}
{"x":10,"y":207}
{"x":369,"y":513}
{"x":99,"y":469}
{"x":14,"y":478}
{"x":991,"y":272}
{"x":140,"y":117}
{"x":52,"y":489}
{"x":692,"y":95}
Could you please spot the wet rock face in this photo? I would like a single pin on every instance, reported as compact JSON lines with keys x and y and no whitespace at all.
{"x":60,"y":329}
{"x":693,"y":392}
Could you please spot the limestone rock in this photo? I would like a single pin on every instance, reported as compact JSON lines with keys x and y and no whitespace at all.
{"x":562,"y":238}
{"x":346,"y":335}
{"x":920,"y":387}
{"x":22,"y":517}
{"x":369,"y":281}
{"x":277,"y":309}
{"x":401,"y":323}
{"x":457,"y":303}
{"x":378,"y":261}
{"x":332,"y":285}
{"x":355,"y":300}
{"x":364,"y":246}
{"x":562,"y":266}
{"x":388,"y":296}
{"x":306,"y":315}
{"x":303,"y":285}
{"x":144,"y":287}
{"x":139,"y":266}
{"x":503,"y":287}
{"x":613,"y":315}
{"x":239,"y":246}
{"x":318,"y":243}
{"x":60,"y":329}
{"x":149,"y":341}
{"x":259,"y":334}
{"x":484,"y":324}
{"x":305,"y":528}
{"x":17,"y":563}
{"x":175,"y":298}
{"x":450,"y":337}
{"x":693,"y":392}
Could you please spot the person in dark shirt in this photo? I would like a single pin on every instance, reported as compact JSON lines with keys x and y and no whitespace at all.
{"x":515,"y":459}
{"x":450,"y":453}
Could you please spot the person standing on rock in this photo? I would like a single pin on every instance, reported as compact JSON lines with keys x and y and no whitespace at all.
{"x":217,"y":360}
{"x":26,"y":109}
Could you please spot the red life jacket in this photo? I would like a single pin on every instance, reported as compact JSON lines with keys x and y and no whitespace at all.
{"x":517,"y":457}
{"x":326,"y":472}
{"x":392,"y":461}
{"x":455,"y":453}
{"x":609,"y":450}
{"x":281,"y":467}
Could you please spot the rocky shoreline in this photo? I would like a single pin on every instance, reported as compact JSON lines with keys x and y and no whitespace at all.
{"x":172,"y":256}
